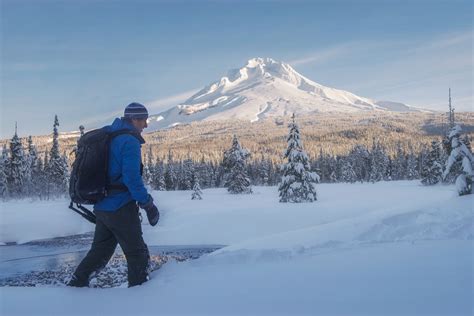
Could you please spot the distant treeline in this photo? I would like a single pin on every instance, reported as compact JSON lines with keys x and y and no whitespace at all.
{"x":369,"y":147}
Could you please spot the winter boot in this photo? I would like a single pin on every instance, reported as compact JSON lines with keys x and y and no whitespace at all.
{"x":77,"y":282}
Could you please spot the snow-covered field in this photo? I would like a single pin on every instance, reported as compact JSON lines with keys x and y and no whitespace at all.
{"x":390,"y":248}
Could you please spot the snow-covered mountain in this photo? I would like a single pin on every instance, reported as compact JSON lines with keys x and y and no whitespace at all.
{"x":266,"y":88}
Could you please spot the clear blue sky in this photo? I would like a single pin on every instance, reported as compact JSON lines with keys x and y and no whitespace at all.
{"x":87,"y":59}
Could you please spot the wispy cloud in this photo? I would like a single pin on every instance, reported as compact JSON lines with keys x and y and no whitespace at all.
{"x":162,"y":104}
{"x":451,"y":39}
{"x":322,"y":55}
{"x":338,"y":51}
{"x":154,"y":107}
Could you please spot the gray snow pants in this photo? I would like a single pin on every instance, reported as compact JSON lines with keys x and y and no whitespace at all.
{"x":123,"y":227}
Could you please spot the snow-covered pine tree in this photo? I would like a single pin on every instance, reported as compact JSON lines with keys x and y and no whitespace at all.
{"x":297,"y":182}
{"x":215,"y":172}
{"x":460,"y":153}
{"x":360,"y":159}
{"x":378,"y":163}
{"x":332,"y":168}
{"x":264,"y":171}
{"x":57,"y":171}
{"x":148,"y":167}
{"x":187,"y":174}
{"x":237,"y":181}
{"x":253,"y":173}
{"x":388,"y":176}
{"x":179,"y":175}
{"x":323,"y":167}
{"x":16,"y":168}
{"x":40,"y":180}
{"x":412,"y":165}
{"x":456,"y":168}
{"x":197,"y":193}
{"x":158,"y":176}
{"x":316,"y":165}
{"x":432,"y":170}
{"x":170,"y":175}
{"x":47,"y":187}
{"x":339,"y":163}
{"x":67,"y":173}
{"x":201,"y":170}
{"x":399,"y":164}
{"x":32,"y":162}
{"x":3,"y":173}
{"x":347,"y":172}
{"x":273,"y":174}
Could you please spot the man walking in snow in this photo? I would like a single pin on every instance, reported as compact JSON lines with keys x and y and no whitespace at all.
{"x":117,"y":215}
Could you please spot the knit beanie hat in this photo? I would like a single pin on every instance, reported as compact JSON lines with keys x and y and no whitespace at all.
{"x":135,"y":111}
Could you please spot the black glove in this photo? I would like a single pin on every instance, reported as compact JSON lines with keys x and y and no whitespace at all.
{"x":151,"y":210}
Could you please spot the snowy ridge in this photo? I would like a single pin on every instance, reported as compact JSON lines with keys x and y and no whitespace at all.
{"x":447,"y":218}
{"x":265,"y":88}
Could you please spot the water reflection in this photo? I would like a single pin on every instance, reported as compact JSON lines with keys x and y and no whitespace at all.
{"x":23,"y":265}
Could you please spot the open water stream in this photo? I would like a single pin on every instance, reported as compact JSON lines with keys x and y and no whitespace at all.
{"x":50,"y":262}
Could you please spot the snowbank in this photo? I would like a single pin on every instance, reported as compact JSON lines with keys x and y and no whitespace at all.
{"x":390,"y":248}
{"x":25,"y":220}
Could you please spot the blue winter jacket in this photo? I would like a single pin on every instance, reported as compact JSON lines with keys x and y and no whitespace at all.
{"x":124,"y":167}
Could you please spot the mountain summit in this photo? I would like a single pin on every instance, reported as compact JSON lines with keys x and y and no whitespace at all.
{"x":265,"y":88}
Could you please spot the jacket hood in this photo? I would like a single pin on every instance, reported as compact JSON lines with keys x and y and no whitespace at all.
{"x":120,"y":124}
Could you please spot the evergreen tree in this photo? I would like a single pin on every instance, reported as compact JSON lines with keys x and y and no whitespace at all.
{"x":456,"y":168}
{"x":148,"y":168}
{"x":432,"y":168}
{"x":170,"y":175}
{"x":217,"y":173}
{"x":187,"y":175}
{"x":237,"y":181}
{"x":264,"y":171}
{"x":32,"y":162}
{"x":297,"y":182}
{"x":399,"y":164}
{"x":378,"y":163}
{"x":197,"y":193}
{"x":412,"y":166}
{"x":348,"y":173}
{"x":40,"y":179}
{"x":47,"y":188}
{"x":339,"y":163}
{"x":57,"y":171}
{"x":389,"y":169}
{"x":201,"y":170}
{"x":422,"y":159}
{"x":332,"y":169}
{"x":323,"y":167}
{"x":158,"y":176}
{"x":66,"y":175}
{"x":16,"y":168}
{"x":460,"y":154}
{"x":3,"y":173}
{"x":360,"y":159}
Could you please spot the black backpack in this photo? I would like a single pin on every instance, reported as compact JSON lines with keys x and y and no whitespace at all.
{"x":88,"y":183}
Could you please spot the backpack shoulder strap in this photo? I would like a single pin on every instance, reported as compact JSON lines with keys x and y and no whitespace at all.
{"x":126,"y":131}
